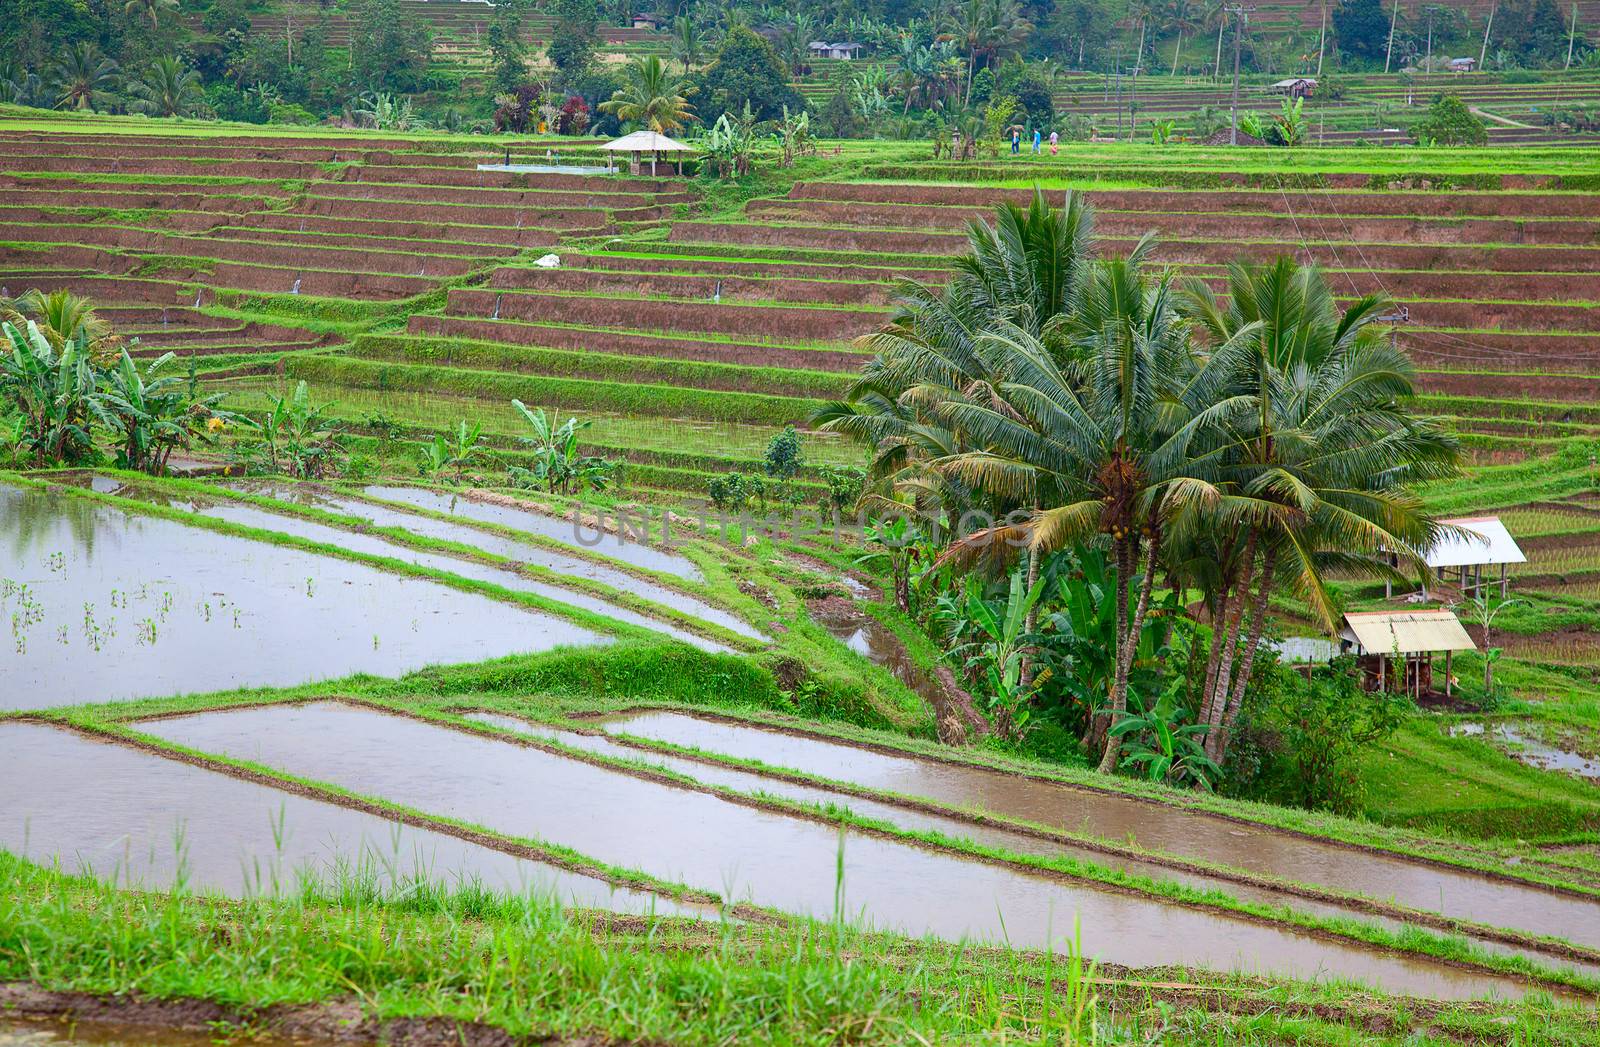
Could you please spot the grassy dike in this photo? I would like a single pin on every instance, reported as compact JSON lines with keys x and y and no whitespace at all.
{"x":491,"y":966}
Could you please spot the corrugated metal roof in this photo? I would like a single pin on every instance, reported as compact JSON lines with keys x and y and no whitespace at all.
{"x":1409,"y":632}
{"x":647,"y":142}
{"x":1488,"y":543}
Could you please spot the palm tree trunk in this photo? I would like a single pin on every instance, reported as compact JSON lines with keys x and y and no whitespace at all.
{"x":1217,"y":741}
{"x":1030,"y":621}
{"x":1094,"y":737}
{"x":1128,"y":645}
{"x":1138,"y":59}
{"x":1217,"y":698}
{"x":1216,"y":67}
{"x":1175,"y":50}
{"x":1220,"y":607}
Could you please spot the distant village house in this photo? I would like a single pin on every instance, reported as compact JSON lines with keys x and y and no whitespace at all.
{"x":845,"y":52}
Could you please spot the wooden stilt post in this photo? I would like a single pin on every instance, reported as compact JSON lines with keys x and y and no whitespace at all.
{"x":1447,"y":673}
{"x":1502,"y":581}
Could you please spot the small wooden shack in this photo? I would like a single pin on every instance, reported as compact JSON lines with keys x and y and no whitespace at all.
{"x":1295,"y":87}
{"x":1395,"y":649}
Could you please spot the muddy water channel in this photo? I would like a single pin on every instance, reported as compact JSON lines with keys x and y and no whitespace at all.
{"x":501,"y":545}
{"x":64,"y":1033}
{"x":562,"y":530}
{"x":143,"y":820}
{"x":1150,"y":824}
{"x":774,"y":859}
{"x":753,"y":784}
{"x":253,"y":516}
{"x":102,"y":605}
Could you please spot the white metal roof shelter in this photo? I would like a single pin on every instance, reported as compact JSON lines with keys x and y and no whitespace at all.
{"x":1409,"y":638}
{"x":647,"y":142}
{"x":1481,"y":541}
{"x":1470,"y":544}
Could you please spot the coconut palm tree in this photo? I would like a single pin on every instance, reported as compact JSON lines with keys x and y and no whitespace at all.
{"x":149,"y":9}
{"x":1182,"y":16}
{"x":688,"y":45}
{"x":83,"y":76}
{"x":652,"y":97}
{"x":62,"y":317}
{"x":986,"y":29}
{"x":1216,"y":13}
{"x":170,"y":88}
{"x":1319,"y":457}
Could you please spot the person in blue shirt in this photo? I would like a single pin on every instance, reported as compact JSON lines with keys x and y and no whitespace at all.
{"x":1016,"y":142}
{"x":1035,"y":141}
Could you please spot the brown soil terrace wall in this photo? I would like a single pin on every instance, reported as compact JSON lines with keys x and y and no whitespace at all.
{"x":1308,"y":226}
{"x":1415,"y":203}
{"x":748,"y":354}
{"x":646,"y":315}
{"x":682,"y":285}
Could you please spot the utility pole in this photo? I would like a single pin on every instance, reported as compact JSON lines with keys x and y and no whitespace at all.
{"x":1241,"y":19}
{"x":1393,"y":18}
{"x":1483,"y":52}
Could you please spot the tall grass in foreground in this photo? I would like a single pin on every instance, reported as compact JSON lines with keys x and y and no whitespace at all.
{"x":524,"y":963}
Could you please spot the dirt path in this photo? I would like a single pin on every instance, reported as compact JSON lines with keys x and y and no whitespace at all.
{"x":1503,"y":121}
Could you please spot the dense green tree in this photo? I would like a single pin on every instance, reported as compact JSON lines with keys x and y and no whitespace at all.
{"x":1077,"y":34}
{"x":508,"y":62}
{"x":573,"y":38}
{"x":389,"y":51}
{"x":1534,"y":32}
{"x":1035,"y":100}
{"x":1361,"y":28}
{"x":747,"y":72}
{"x":33,"y":33}
{"x":1450,"y":122}
{"x":840,"y":118}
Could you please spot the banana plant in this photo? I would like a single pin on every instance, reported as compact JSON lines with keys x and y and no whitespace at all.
{"x":150,"y":413}
{"x":49,"y":388}
{"x":454,"y":450}
{"x":1156,"y":739}
{"x":999,"y":654}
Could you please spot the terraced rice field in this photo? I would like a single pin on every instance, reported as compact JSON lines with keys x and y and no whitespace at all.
{"x":1371,"y":108}
{"x":396,"y":276}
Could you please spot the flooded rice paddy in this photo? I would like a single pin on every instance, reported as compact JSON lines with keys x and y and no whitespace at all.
{"x":141,"y":820}
{"x":371,"y":544}
{"x":1152,"y":825}
{"x":1521,"y":745}
{"x":639,"y":554}
{"x":783,"y":861}
{"x":101,"y":605}
{"x":755,"y":784}
{"x":510,"y":548}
